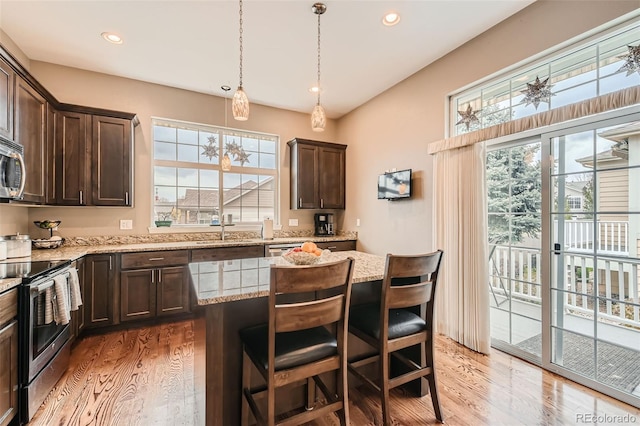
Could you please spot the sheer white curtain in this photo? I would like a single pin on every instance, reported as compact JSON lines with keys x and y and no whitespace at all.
{"x":462,"y":298}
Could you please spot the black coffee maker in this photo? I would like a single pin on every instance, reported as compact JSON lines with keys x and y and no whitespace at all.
{"x":324,"y":224}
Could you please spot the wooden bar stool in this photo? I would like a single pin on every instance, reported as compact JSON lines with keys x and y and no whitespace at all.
{"x":403,"y":318}
{"x":305,"y":337}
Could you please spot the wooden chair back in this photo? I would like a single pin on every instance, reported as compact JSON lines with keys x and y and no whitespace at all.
{"x":321,"y":295}
{"x":410,"y":281}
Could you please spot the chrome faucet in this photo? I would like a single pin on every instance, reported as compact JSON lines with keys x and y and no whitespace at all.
{"x":222,"y":227}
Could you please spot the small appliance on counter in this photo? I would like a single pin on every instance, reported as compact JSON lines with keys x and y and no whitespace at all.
{"x":323,"y":224}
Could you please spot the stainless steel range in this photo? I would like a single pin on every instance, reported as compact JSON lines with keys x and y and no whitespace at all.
{"x":44,"y":347}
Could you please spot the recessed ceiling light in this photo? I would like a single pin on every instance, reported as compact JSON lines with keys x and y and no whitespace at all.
{"x":391,"y":19}
{"x":112,"y":38}
{"x":314,"y":89}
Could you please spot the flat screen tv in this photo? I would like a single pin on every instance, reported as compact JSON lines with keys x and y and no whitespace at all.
{"x":394,"y":185}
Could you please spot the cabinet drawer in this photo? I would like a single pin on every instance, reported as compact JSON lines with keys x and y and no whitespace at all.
{"x":152,"y":259}
{"x":225,"y":253}
{"x":8,"y":306}
{"x":337,"y":245}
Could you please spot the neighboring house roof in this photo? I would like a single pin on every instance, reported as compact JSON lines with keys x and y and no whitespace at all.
{"x":621,"y":134}
{"x":576,"y":186}
{"x":609,"y":155}
{"x":210,"y":197}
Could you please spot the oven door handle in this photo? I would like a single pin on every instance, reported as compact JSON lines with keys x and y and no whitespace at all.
{"x":42,"y":287}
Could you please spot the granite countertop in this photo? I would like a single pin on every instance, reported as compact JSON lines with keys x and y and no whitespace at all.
{"x":231,"y":280}
{"x":77,"y":251}
{"x":9,"y":283}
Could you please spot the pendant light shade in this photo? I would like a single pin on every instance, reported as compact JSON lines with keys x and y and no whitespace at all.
{"x":240,"y":102}
{"x":225,"y":164}
{"x":318,"y":116}
{"x":318,"y":119}
{"x":240,"y":105}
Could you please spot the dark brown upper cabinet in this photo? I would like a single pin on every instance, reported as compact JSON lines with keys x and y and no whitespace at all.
{"x":74,"y":155}
{"x":317,"y":174}
{"x":7,"y":78}
{"x":112,"y":161}
{"x":30,"y":131}
{"x":93,"y":160}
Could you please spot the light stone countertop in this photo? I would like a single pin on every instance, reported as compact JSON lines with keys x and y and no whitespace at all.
{"x":9,"y":283}
{"x":231,"y":280}
{"x":77,"y":251}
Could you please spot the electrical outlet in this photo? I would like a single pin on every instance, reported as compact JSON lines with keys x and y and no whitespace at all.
{"x":358,"y":222}
{"x":126,"y":224}
{"x":293,"y":222}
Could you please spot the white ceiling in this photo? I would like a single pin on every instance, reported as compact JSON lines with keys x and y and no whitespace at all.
{"x":194,"y":44}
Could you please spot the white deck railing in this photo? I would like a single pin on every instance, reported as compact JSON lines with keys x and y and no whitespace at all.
{"x":515,"y":273}
{"x":613,"y":236}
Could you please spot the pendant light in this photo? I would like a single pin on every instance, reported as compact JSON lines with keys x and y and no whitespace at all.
{"x":240,"y":103}
{"x":225,"y":162}
{"x":318,"y":116}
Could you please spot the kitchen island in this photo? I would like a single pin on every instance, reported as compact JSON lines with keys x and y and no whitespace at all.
{"x":234,"y":295}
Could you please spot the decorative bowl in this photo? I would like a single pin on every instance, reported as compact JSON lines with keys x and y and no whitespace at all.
{"x":47,"y":224}
{"x":304,"y":258}
{"x":46,"y":243}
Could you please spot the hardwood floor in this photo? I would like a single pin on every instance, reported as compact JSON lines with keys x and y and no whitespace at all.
{"x":155,"y":376}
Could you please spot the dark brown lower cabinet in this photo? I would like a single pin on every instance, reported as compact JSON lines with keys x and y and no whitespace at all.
{"x":100,"y":290}
{"x":154,"y":284}
{"x":150,"y":293}
{"x":77,"y":317}
{"x":8,"y":357}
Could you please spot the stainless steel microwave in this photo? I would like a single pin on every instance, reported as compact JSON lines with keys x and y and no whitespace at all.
{"x":12,"y":170}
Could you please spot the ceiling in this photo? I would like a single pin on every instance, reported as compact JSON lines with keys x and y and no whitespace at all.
{"x":194,"y":45}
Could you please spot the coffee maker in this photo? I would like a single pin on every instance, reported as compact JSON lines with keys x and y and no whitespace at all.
{"x":324,"y":224}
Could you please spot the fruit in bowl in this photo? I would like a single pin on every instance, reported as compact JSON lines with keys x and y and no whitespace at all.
{"x":307,"y":254}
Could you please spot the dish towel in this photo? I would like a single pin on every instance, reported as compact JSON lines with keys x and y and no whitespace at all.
{"x":48,"y":305}
{"x":61,"y":290}
{"x":74,"y":289}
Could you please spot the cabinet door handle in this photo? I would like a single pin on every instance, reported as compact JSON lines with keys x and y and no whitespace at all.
{"x":126,"y":197}
{"x":81,"y":198}
{"x":159,"y":275}
{"x":110,"y":262}
{"x":153,"y":281}
{"x":322,"y":203}
{"x":300,"y":203}
{"x":332,"y":247}
{"x":155,"y":258}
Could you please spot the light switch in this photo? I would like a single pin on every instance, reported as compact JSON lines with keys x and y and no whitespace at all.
{"x":126,"y":224}
{"x":293,"y":222}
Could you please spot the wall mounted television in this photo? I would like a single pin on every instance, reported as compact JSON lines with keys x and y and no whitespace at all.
{"x":394,"y":185}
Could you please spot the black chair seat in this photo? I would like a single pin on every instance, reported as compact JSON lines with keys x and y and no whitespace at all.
{"x":402,"y":322}
{"x":292,"y":349}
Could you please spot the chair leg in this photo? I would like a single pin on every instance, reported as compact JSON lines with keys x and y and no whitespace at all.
{"x":311,"y":394}
{"x":431,"y":378}
{"x":342,"y":387}
{"x":246,"y":384}
{"x":384,"y":387}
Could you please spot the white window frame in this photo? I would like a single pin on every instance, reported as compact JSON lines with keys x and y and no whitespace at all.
{"x":542,"y":61}
{"x":187,"y":228}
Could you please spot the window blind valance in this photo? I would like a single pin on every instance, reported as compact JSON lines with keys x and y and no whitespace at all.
{"x":611,"y":101}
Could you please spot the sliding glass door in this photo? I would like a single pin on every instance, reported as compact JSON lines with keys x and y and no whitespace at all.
{"x":514,"y":231}
{"x":594,"y":229}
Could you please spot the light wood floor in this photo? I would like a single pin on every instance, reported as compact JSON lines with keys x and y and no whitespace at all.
{"x":154,"y":376}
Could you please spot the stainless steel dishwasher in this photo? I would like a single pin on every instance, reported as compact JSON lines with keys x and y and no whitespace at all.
{"x":271,"y":250}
